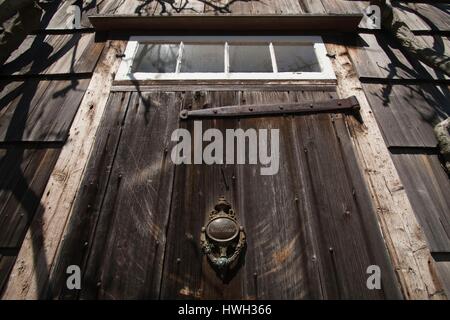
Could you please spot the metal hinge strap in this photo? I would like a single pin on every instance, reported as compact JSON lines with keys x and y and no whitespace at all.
{"x":334,"y":105}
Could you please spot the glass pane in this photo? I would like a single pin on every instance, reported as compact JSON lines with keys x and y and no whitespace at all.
{"x":156,"y":58}
{"x":203,"y":58}
{"x":296,"y":58}
{"x":250,"y":58}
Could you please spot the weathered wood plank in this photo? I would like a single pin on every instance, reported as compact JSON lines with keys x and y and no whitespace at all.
{"x":195,"y":190}
{"x":129,"y":239}
{"x":427,"y":187}
{"x":312,"y":6}
{"x":37,"y":255}
{"x":24,"y":174}
{"x":88,"y":203}
{"x":144,"y":8}
{"x":344,"y":6}
{"x":409,"y":16}
{"x":405,"y":113}
{"x":432,"y":16}
{"x":443,"y":269}
{"x":6,"y":264}
{"x":54,"y":54}
{"x":376,"y":56}
{"x":35,"y":110}
{"x":58,"y":15}
{"x":402,"y":233}
{"x":281,"y":214}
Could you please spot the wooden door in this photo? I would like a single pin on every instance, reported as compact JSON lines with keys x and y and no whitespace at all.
{"x":311,"y":230}
{"x":135,"y":231}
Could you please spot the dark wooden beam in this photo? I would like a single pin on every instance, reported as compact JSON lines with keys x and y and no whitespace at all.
{"x":202,"y":24}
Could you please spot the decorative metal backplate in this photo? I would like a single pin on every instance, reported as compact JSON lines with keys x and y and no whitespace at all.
{"x":222,"y":238}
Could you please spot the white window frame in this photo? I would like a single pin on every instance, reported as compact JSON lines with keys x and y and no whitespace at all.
{"x":124,"y":73}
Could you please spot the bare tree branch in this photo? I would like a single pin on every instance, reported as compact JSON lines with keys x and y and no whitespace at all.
{"x":391,"y":22}
{"x":442,"y":132}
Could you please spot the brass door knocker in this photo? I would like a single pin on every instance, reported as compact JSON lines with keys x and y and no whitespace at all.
{"x":222,"y":238}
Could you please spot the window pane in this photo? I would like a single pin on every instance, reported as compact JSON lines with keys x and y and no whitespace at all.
{"x":250,"y":58}
{"x":295,"y":58}
{"x":203,"y":58}
{"x":156,"y":58}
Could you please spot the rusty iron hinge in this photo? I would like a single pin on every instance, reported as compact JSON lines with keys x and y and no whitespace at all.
{"x":348,"y":104}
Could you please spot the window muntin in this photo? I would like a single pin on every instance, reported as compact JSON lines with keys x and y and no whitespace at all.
{"x":226,"y":57}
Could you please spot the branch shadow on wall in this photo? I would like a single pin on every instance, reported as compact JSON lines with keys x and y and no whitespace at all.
{"x":169,"y":7}
{"x":27,"y":199}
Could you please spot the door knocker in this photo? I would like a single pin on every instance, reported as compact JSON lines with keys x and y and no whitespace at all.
{"x":222,"y":238}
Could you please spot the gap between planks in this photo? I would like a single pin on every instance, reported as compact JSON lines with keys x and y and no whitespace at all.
{"x":28,"y":277}
{"x":410,"y":255}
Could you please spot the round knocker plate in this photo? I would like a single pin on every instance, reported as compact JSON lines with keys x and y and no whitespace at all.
{"x":222,"y":229}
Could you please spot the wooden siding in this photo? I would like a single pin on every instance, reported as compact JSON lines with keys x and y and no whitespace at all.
{"x":212,"y":7}
{"x":54,"y":55}
{"x":405,"y":113}
{"x":407,"y":97}
{"x":419,"y":16}
{"x":42,"y":85}
{"x":428,"y":189}
{"x":23,"y":177}
{"x":443,"y":268}
{"x":427,"y":18}
{"x":6,"y":264}
{"x":377,"y":56}
{"x":35,"y":110}
{"x":123,"y":227}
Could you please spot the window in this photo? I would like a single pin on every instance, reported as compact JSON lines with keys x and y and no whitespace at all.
{"x":296,"y":57}
{"x":225,"y":57}
{"x":156,"y":58}
{"x":250,"y":58}
{"x":198,"y":57}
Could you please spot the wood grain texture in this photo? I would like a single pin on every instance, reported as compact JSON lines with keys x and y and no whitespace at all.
{"x":6,"y":264}
{"x":54,"y":55}
{"x":298,"y":222}
{"x":406,"y":114}
{"x":344,"y":6}
{"x":376,"y":56}
{"x":427,"y":187}
{"x":443,"y":269}
{"x":431,"y":16}
{"x":131,"y":198}
{"x":36,"y":257}
{"x":58,"y":16}
{"x":35,"y":110}
{"x":404,"y":237}
{"x":140,"y":238}
{"x":418,"y":16}
{"x":23,"y":175}
{"x":89,"y":200}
